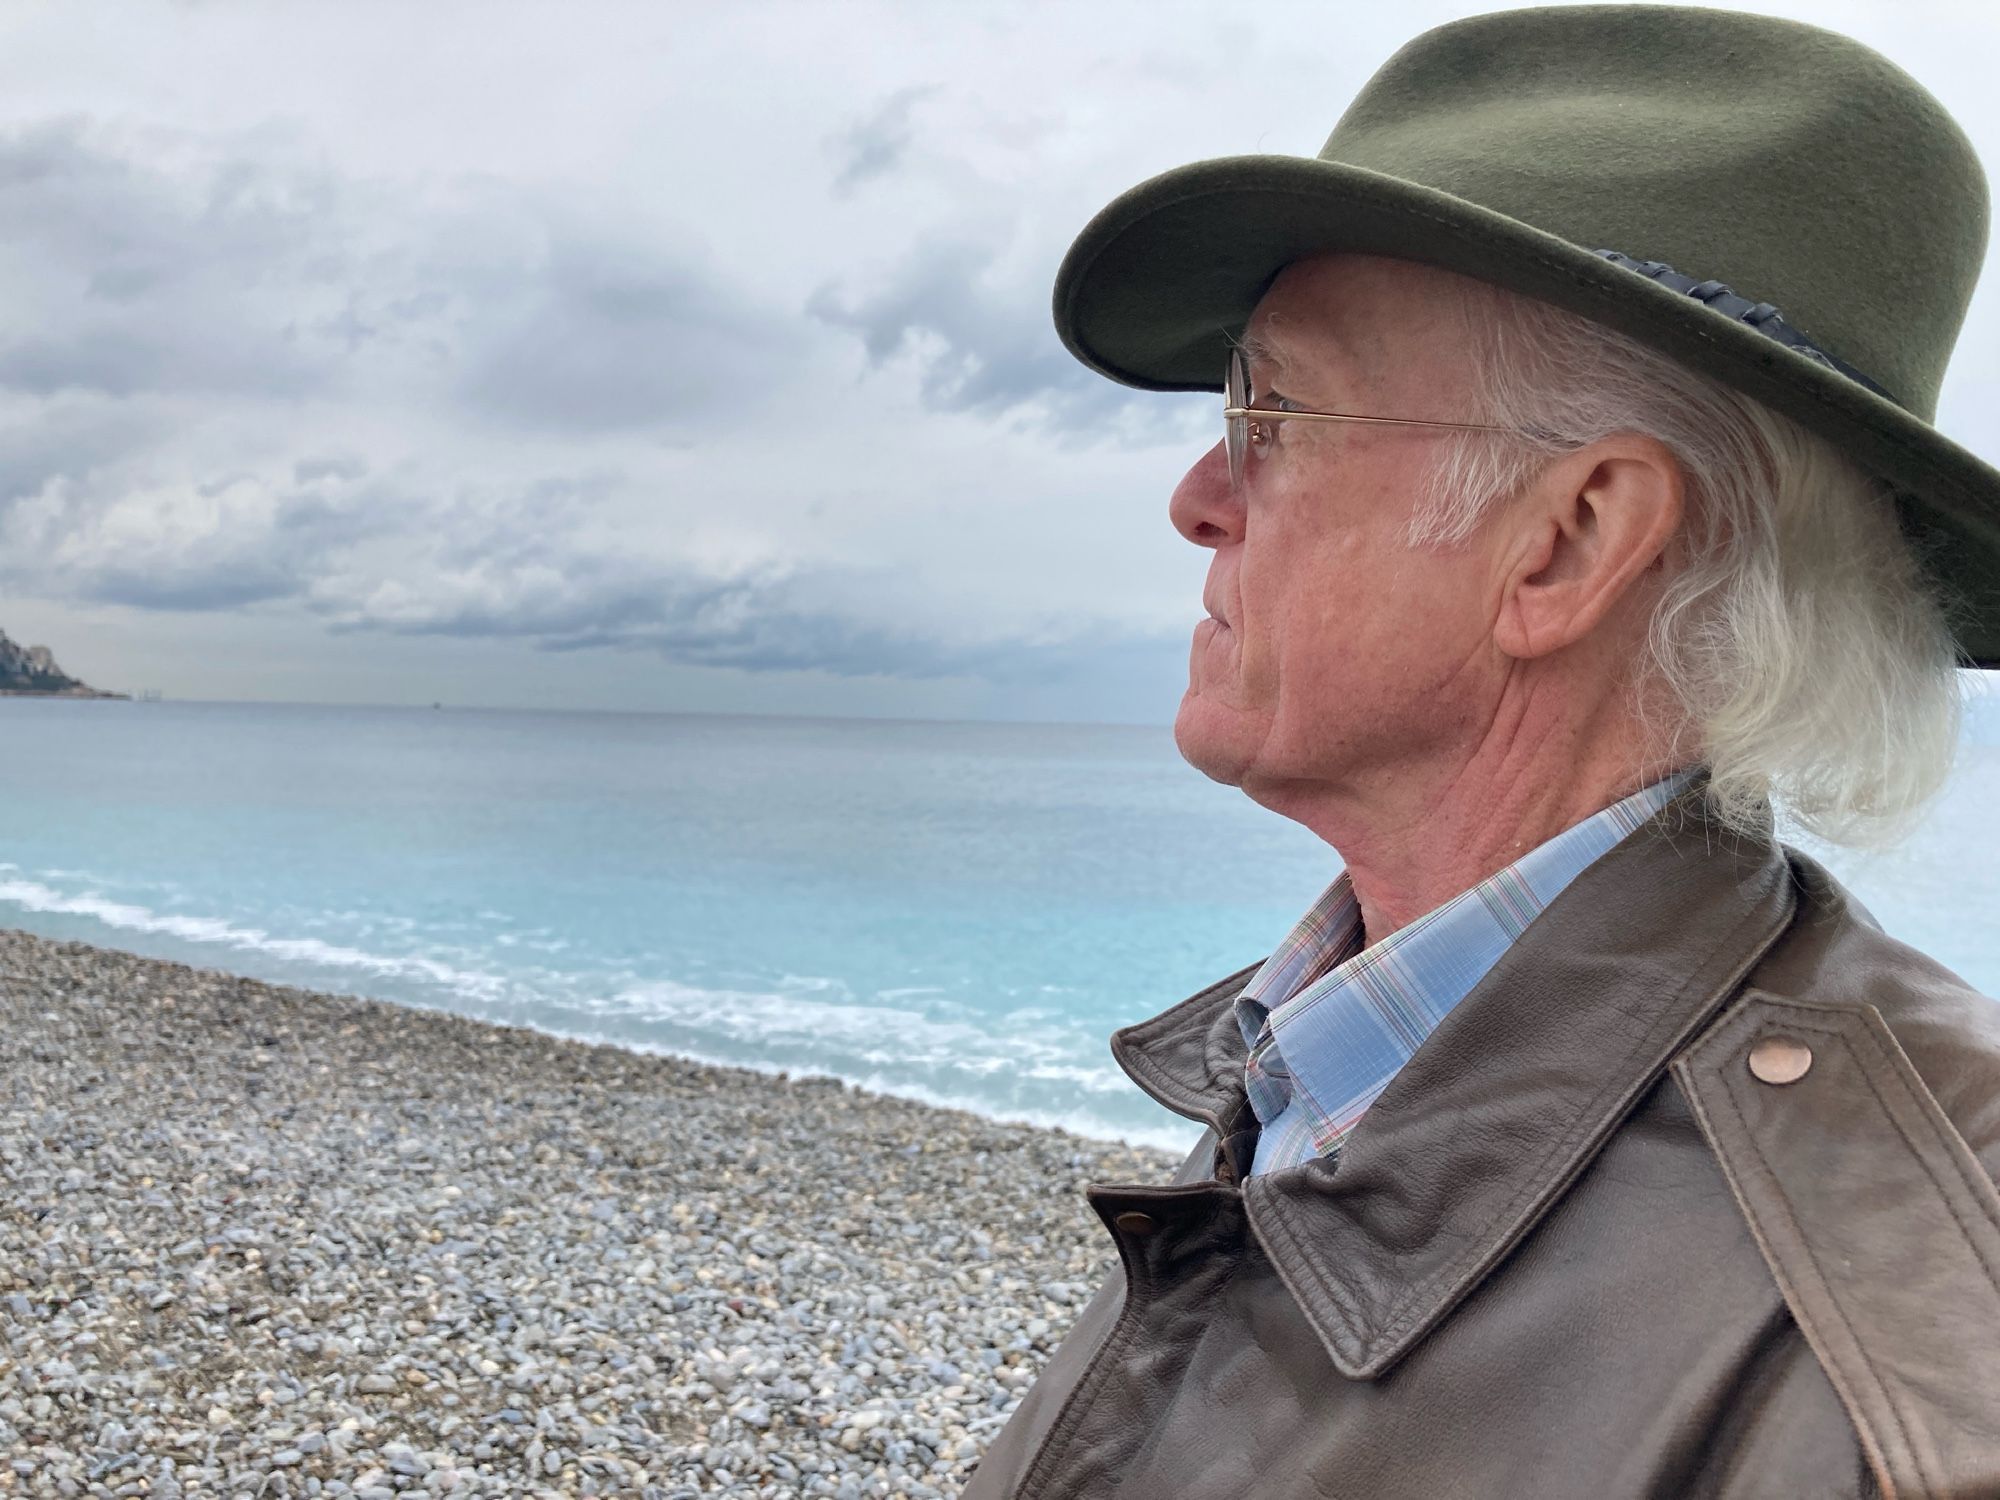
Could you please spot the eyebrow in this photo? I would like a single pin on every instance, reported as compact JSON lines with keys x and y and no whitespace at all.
{"x":1260,"y":350}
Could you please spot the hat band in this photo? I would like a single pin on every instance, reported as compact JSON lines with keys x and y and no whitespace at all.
{"x":1761,"y":316}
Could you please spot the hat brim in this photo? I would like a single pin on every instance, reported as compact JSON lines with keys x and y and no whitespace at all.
{"x":1157,"y":284}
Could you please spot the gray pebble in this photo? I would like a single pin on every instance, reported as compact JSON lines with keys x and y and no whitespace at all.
{"x":351,"y":1231}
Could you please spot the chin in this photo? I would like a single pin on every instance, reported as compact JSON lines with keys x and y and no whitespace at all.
{"x":1212,"y":740}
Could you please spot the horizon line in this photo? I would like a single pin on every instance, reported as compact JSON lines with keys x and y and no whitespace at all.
{"x":441,"y":706}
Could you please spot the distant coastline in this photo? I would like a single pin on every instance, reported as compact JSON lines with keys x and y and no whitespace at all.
{"x":31,"y":672}
{"x":79,"y":690}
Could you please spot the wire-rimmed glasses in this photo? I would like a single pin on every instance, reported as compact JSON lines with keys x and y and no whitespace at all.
{"x":1245,"y":426}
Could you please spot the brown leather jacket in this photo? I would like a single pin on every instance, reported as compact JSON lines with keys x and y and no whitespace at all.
{"x":1580,"y":1247}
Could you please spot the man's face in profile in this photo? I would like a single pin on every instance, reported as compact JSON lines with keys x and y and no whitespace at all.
{"x":1333,"y":645}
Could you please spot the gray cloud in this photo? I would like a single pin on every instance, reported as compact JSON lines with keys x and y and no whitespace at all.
{"x":985,"y":347}
{"x":219,"y":570}
{"x":310,"y":327}
{"x":192,"y":269}
{"x":508,"y":566}
{"x":336,"y":540}
{"x":197,"y":279}
{"x":215,"y":310}
{"x":228,"y":578}
{"x":311,"y":470}
{"x":101,"y":536}
{"x":875,"y":144}
{"x":770,"y":619}
{"x":982,"y":356}
{"x":598,"y":334}
{"x":751,"y":623}
{"x":45,"y":441}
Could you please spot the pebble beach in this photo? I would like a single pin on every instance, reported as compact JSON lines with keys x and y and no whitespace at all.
{"x":258,"y":1241}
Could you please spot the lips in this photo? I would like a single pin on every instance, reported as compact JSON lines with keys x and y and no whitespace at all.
{"x":1217,"y":586}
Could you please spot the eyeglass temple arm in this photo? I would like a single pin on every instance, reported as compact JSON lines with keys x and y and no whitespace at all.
{"x":1264,"y":414}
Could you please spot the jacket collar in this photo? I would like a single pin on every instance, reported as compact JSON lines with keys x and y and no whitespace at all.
{"x":1508,"y":1099}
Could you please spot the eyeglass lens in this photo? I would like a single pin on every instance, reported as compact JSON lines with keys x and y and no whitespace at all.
{"x":1236,"y":430}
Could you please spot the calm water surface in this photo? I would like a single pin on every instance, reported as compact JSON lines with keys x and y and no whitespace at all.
{"x":955,"y":912}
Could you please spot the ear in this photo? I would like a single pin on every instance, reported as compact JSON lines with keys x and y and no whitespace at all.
{"x":1584,"y":533}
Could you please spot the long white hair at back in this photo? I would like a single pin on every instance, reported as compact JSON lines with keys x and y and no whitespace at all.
{"x":1804,"y":655}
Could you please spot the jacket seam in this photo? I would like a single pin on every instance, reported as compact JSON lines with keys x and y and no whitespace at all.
{"x":1285,"y":1267}
{"x":1411,"y":1307}
{"x":1081,"y":1396}
{"x":1944,"y":1193}
{"x":1090,"y":1381}
{"x":1917,"y":1149}
{"x":1833,"y":1309}
{"x":1166,"y":1089}
{"x":1161,"y":1022}
{"x":1162,"y":1086}
{"x":1836,"y":1374}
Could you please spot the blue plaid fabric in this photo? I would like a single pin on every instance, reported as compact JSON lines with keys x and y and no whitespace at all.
{"x":1329,"y":1024}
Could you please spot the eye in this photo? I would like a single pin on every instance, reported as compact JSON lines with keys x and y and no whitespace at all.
{"x":1262,"y":435}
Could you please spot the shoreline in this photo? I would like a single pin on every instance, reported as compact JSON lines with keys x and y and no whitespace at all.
{"x":1173,"y":1139}
{"x":266,"y":1240}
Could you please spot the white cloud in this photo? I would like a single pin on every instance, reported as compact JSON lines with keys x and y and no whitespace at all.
{"x":716,"y":338}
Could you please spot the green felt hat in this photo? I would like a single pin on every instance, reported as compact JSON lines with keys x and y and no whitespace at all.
{"x":1783,"y":209}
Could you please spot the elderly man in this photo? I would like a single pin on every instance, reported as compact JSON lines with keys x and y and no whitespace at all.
{"x":1582,"y":1140}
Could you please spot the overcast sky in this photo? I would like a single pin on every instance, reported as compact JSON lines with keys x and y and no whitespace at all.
{"x":674,"y":356}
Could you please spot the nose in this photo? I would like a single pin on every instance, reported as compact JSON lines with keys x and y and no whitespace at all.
{"x":1204,"y":508}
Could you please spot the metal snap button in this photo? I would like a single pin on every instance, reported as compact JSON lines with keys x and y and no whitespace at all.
{"x":1134,"y":1222}
{"x":1779,"y":1060}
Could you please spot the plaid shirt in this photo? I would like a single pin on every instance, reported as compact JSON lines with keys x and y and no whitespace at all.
{"x":1328,"y":1024}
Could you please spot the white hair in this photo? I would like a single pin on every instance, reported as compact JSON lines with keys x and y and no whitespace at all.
{"x":1798,"y":652}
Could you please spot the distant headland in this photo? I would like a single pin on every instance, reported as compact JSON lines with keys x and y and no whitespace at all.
{"x":31,"y":671}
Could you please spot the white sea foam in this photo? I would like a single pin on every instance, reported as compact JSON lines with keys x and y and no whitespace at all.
{"x":813,"y":984}
{"x":34,"y":896}
{"x":1174,"y":1136}
{"x":869,"y":1032}
{"x":1177,"y":1136}
{"x":1020,"y":1067}
{"x":1090,"y":1080}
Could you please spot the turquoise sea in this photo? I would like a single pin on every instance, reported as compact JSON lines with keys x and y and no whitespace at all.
{"x":959,"y":913}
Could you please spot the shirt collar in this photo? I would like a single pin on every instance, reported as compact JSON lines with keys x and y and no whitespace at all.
{"x":1568,"y":1031}
{"x":1329,"y":1024}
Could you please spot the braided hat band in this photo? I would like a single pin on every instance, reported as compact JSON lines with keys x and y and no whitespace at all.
{"x":1761,"y":316}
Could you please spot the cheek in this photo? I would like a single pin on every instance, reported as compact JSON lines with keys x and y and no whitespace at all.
{"x":1350,"y":614}
{"x":1310,"y":596}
